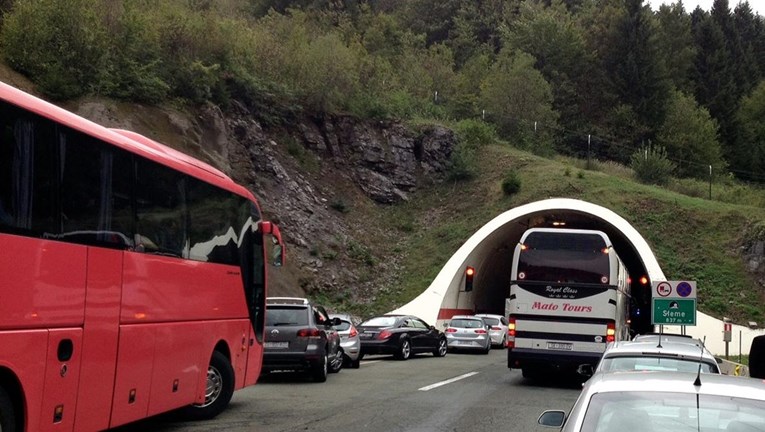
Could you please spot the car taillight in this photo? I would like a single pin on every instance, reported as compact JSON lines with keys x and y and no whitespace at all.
{"x":385,"y":334}
{"x":309,"y":332}
{"x":481,"y":331}
{"x":496,"y":328}
{"x":354,"y":332}
{"x":510,"y":342}
{"x":451,"y":330}
{"x":611,"y":332}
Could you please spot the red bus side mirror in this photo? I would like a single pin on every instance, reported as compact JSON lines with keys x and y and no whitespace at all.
{"x":272,"y":230}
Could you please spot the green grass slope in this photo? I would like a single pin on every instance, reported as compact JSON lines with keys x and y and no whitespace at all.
{"x":693,"y":238}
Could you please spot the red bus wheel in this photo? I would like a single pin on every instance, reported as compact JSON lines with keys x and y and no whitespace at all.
{"x":218,"y":391}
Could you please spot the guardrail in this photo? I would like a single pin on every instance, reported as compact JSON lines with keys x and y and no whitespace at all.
{"x":728,"y":367}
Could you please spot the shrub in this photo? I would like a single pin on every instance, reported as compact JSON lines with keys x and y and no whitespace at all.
{"x":340,"y":206}
{"x":463,"y":163}
{"x":511,"y":183}
{"x":475,"y":133}
{"x":651,"y":165}
{"x":59,"y":44}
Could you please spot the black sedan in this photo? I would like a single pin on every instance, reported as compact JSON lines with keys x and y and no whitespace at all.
{"x":400,"y":335}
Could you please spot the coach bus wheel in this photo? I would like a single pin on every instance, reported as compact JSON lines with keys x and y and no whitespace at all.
{"x":7,"y":415}
{"x":218,"y":392}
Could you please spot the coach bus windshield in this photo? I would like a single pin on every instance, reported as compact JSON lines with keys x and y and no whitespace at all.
{"x":564,"y":258}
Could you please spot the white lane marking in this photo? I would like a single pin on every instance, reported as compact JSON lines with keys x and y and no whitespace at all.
{"x":370,"y":362}
{"x":449,"y":381}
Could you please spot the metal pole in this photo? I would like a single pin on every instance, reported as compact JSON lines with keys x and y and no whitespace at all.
{"x":710,"y":182}
{"x":739,"y":346}
{"x":588,"y":151}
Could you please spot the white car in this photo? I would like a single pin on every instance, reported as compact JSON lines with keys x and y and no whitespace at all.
{"x":498,"y":329}
{"x":658,"y":401}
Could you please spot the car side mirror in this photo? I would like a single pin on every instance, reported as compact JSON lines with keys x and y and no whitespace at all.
{"x":585,"y":370}
{"x":552,"y":418}
{"x":719,"y":360}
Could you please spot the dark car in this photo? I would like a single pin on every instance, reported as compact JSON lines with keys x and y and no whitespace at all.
{"x":299,"y":337}
{"x":400,"y":335}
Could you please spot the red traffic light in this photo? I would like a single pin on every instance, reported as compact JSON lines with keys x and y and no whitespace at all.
{"x":469,"y":273}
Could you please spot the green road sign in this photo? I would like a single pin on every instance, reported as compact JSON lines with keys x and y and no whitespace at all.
{"x":673,"y":311}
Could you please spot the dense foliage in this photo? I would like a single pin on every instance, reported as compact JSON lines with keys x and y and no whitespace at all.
{"x":549,"y":75}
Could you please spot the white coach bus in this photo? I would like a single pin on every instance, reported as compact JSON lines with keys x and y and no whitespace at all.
{"x":569,"y":296}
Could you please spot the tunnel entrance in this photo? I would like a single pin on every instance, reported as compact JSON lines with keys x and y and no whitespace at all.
{"x":493,"y":261}
{"x":490,"y":252}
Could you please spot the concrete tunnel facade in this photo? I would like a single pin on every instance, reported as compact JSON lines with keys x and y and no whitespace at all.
{"x":490,"y":251}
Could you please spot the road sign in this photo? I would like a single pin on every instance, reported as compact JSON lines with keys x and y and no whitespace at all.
{"x":673,"y":311}
{"x":663,"y":289}
{"x":674,"y":289}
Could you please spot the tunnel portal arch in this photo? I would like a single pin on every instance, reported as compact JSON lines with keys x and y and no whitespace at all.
{"x":491,"y":248}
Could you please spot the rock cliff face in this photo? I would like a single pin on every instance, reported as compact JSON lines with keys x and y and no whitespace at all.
{"x":298,"y":173}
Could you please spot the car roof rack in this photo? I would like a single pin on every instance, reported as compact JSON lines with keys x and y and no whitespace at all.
{"x":287,"y":300}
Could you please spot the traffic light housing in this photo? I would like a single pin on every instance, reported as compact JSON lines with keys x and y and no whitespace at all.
{"x":469,"y":273}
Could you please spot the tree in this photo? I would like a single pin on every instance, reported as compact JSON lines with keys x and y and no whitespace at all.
{"x":676,"y":49}
{"x":715,"y":79}
{"x":516,"y":96}
{"x":690,"y":136}
{"x":556,"y":41}
{"x":750,"y":151}
{"x":638,"y":77}
{"x":750,"y":30}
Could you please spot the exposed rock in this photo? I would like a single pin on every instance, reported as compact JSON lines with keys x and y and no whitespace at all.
{"x":386,"y":157}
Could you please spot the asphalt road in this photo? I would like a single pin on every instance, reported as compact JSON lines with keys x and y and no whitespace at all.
{"x":386,"y":395}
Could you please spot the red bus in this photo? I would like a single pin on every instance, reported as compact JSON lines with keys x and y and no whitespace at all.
{"x":132,"y":276}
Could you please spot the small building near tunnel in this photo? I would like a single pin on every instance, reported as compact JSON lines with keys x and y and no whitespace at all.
{"x":490,"y":252}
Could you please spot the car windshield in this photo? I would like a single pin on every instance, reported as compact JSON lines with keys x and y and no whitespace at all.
{"x":491,"y":321}
{"x":286,"y":315}
{"x":343,"y":326}
{"x":676,"y":412}
{"x":380,"y":322}
{"x":645,"y":363}
{"x":466,"y":323}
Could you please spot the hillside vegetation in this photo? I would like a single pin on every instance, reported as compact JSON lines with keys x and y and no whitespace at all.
{"x":551,"y":76}
{"x":532,"y":87}
{"x":693,"y":238}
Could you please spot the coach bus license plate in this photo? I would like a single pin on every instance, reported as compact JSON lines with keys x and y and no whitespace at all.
{"x":277,"y":344}
{"x":560,"y":346}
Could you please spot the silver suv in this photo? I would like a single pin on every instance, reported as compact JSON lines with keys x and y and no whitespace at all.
{"x":299,"y":337}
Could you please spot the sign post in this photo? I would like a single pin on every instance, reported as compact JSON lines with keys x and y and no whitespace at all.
{"x":673,"y":302}
{"x":726,"y":336}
